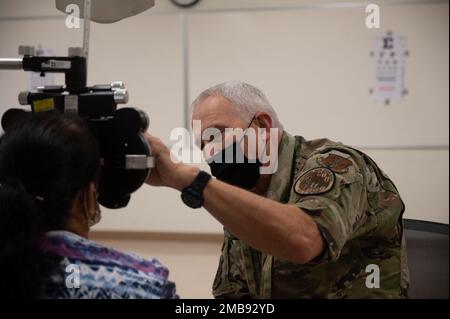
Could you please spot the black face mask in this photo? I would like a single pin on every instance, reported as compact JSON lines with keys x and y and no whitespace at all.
{"x":244,"y":174}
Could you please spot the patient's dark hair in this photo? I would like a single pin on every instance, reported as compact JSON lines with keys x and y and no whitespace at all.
{"x":45,"y":160}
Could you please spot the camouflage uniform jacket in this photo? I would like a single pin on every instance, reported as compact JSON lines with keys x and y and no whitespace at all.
{"x":359,"y":213}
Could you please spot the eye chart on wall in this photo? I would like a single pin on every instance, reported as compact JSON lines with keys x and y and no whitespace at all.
{"x":389,"y":68}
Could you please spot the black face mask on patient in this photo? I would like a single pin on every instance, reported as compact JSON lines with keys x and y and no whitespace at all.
{"x":244,"y":175}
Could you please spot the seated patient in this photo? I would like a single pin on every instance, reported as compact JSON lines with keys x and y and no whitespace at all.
{"x":48,"y":202}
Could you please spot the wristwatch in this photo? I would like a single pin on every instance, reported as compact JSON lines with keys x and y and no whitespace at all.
{"x":192,"y":195}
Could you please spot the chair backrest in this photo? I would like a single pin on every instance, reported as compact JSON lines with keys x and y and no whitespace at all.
{"x":427,"y":245}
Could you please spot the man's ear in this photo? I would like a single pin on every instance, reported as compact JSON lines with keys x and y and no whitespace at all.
{"x":264,"y":121}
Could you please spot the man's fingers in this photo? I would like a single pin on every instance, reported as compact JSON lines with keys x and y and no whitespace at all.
{"x":152,"y":139}
{"x":155,"y":143}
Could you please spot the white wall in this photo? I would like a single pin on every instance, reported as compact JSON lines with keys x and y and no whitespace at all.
{"x":314,"y":66}
{"x":310,"y":57}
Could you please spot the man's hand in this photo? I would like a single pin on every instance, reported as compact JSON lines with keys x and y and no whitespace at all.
{"x":167,"y":172}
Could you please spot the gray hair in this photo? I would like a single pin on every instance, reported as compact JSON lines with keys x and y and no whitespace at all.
{"x":245,"y":99}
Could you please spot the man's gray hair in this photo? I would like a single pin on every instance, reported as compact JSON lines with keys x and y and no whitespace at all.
{"x":245,"y":99}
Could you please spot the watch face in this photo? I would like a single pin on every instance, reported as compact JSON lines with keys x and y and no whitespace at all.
{"x":191,"y":198}
{"x":185,"y":3}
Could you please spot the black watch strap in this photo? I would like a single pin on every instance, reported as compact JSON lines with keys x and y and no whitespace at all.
{"x":200,"y":182}
{"x":193,"y":194}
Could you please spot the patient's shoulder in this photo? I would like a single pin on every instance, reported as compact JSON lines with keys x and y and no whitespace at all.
{"x":90,"y":270}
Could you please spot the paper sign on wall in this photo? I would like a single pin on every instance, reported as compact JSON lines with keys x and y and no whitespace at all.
{"x":389,"y":68}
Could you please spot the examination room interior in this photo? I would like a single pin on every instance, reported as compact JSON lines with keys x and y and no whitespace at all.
{"x":314,"y":59}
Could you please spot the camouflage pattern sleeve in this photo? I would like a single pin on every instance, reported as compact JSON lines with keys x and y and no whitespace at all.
{"x":330,"y":188}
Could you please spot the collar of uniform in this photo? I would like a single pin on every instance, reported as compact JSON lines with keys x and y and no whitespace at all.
{"x":280,"y":181}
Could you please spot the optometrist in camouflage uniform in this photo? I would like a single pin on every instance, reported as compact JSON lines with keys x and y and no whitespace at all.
{"x":359,"y":213}
{"x":326,"y":224}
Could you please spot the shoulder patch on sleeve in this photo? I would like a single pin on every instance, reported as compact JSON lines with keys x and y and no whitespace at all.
{"x":315,"y":181}
{"x":336,"y":163}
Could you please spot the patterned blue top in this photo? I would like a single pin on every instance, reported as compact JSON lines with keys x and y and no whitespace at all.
{"x":90,"y":270}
